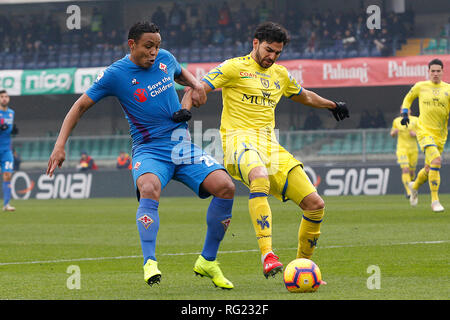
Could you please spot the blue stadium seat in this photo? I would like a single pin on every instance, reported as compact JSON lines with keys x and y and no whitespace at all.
{"x":184,"y":54}
{"x":63,"y":60}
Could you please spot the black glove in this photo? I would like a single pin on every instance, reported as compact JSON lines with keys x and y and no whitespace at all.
{"x":405,"y":119}
{"x":4,"y":127}
{"x":341,"y":111}
{"x":182,"y":115}
{"x":14,"y":130}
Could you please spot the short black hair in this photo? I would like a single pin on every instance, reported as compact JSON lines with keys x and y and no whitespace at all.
{"x":272,"y":32}
{"x":139,"y":28}
{"x":3,"y":91}
{"x":435,"y":61}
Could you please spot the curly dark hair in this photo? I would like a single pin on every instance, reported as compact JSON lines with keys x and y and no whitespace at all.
{"x":271,"y":32}
{"x":139,"y":28}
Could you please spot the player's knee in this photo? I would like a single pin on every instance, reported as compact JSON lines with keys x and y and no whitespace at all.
{"x":226,"y":189}
{"x":149,"y":190}
{"x":405,"y":170}
{"x":436,"y":161}
{"x":7,"y":176}
{"x":312,"y":202}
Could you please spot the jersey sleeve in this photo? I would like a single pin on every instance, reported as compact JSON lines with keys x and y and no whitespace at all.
{"x":103,"y":86}
{"x":394,"y":124}
{"x":410,"y":97}
{"x":292,"y":87}
{"x":220,"y":76}
{"x":176,"y":65}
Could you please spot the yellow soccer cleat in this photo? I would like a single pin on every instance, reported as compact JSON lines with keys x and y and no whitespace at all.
{"x":152,"y":274}
{"x":211,"y":269}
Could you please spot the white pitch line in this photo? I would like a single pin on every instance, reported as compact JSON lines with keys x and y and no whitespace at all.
{"x":220,"y":252}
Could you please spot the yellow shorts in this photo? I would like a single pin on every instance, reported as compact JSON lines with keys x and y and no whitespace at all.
{"x":248,"y":149}
{"x":428,"y":140}
{"x":407,"y":158}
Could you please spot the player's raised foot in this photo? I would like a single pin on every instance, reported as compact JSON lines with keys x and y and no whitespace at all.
{"x":9,"y":208}
{"x":436,"y":206}
{"x":271,"y":265}
{"x":414,"y":198}
{"x":211,"y":269}
{"x":152,"y":274}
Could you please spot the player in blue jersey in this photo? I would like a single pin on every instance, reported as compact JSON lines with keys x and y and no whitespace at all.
{"x":143,"y":82}
{"x":6,"y":155}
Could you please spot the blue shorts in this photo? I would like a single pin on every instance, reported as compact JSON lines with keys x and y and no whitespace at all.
{"x":179,"y":160}
{"x":6,"y":160}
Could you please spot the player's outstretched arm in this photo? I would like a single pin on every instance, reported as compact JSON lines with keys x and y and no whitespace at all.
{"x":59,"y":155}
{"x":312,"y":99}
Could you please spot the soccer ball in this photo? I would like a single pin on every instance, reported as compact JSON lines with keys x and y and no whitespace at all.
{"x":302,"y":275}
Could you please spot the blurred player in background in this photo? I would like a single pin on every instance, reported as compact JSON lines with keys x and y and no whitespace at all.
{"x":143,"y":82}
{"x":434,"y":108}
{"x":407,"y":151}
{"x":6,"y":155}
{"x":251,"y":88}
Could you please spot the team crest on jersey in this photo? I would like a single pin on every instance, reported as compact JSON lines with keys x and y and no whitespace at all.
{"x":435,"y":92}
{"x":140,"y":95}
{"x":265,"y":83}
{"x":163,"y":67}
{"x":226,"y":223}
{"x":146,"y":221}
{"x":277,"y":84}
{"x":100,"y":75}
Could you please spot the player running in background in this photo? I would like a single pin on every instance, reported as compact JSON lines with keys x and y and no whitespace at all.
{"x":143,"y":82}
{"x":7,"y":128}
{"x":407,"y":151}
{"x":251,"y":88}
{"x":434,"y":108}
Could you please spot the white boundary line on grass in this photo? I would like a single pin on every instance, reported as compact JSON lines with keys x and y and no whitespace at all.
{"x":220,"y":252}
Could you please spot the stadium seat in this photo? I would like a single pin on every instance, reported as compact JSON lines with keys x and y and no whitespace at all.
{"x":184,"y":55}
{"x":432,"y":46}
{"x":63,"y":60}
{"x":442,"y":48}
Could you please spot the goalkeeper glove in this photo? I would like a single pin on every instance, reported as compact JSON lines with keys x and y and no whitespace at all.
{"x":405,"y":119}
{"x":182,"y":115}
{"x":341,"y":111}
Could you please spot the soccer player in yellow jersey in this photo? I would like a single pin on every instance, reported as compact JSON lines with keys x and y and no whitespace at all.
{"x":251,"y":88}
{"x":434,"y":106}
{"x":407,"y":151}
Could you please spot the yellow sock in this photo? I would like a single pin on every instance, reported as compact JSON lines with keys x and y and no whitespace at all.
{"x":309,"y":232}
{"x":260,"y":213}
{"x":422,"y":177}
{"x":406,"y":178}
{"x":434,"y":180}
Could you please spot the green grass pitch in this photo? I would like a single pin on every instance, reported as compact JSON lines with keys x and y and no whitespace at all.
{"x":42,"y":239}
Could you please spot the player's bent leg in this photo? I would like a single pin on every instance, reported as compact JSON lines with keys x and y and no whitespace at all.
{"x":218,"y":217}
{"x":414,"y":186}
{"x":434,"y":180}
{"x":406,"y":179}
{"x":301,"y":191}
{"x":7,"y":192}
{"x":309,"y":232}
{"x":147,"y":220}
{"x":261,"y":216}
